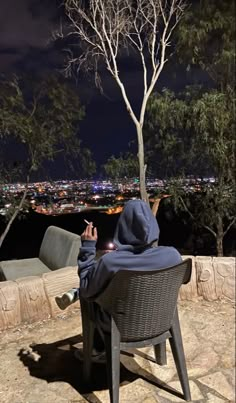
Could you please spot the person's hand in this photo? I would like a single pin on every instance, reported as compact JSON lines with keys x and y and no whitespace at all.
{"x":90,"y":233}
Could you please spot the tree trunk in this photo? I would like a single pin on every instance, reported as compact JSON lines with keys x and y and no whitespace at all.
{"x":219,"y":246}
{"x":13,"y":217}
{"x":219,"y":237}
{"x":142,"y":168}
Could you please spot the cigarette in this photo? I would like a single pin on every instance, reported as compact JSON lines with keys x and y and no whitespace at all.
{"x":86,"y":221}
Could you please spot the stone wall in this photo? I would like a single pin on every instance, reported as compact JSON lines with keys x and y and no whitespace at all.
{"x":31,"y":299}
{"x":213,"y":278}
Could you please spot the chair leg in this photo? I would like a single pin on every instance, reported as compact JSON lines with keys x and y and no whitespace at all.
{"x":178,"y":354}
{"x":160,"y":353}
{"x":112,"y":345}
{"x":88,"y":336}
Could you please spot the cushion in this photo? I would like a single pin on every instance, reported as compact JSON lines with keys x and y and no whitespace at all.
{"x":13,"y":269}
{"x":59,"y":248}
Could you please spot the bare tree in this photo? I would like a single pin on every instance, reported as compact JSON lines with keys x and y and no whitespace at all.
{"x":104,"y":28}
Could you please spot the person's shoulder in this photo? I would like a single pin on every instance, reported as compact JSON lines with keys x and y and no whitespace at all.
{"x":169,"y":251}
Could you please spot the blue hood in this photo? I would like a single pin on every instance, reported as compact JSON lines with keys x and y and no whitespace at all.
{"x":137,"y":227}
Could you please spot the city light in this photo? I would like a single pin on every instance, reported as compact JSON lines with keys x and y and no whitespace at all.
{"x":73,"y":196}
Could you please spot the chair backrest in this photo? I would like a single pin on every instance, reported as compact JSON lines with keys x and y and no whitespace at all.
{"x":59,"y":248}
{"x":143,"y":303}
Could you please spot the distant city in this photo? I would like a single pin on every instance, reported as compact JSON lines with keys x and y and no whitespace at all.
{"x":73,"y":196}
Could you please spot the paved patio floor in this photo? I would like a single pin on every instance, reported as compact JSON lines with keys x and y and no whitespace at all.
{"x":37,"y":362}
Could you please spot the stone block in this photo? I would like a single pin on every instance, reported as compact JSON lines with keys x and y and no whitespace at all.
{"x":224,"y":270}
{"x":57,"y":282}
{"x":10,"y":314}
{"x":205,"y":278}
{"x":34,"y":304}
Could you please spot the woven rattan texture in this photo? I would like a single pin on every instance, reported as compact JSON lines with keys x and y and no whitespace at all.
{"x":143,"y":303}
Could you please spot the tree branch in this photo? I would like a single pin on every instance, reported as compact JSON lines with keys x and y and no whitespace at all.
{"x":194,"y":219}
{"x":229,"y":226}
{"x":14,"y":215}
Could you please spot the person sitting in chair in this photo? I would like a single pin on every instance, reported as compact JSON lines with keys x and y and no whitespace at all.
{"x":135,"y":239}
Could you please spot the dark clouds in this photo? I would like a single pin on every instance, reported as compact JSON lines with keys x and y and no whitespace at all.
{"x":26,"y":46}
{"x":22,"y":26}
{"x":25,"y":25}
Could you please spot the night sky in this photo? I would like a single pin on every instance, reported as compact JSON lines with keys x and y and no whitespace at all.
{"x":26,"y":27}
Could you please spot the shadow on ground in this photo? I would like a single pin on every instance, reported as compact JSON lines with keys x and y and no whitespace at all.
{"x":55,"y":362}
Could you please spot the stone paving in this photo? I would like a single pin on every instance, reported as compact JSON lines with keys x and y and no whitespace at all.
{"x":38,"y":365}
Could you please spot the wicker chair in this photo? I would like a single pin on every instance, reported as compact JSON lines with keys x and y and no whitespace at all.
{"x":143,"y":310}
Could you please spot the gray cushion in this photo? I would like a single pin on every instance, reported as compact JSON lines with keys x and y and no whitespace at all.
{"x":13,"y":269}
{"x":59,"y":248}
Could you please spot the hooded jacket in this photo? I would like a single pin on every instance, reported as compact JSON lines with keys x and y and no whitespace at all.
{"x":135,"y":233}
